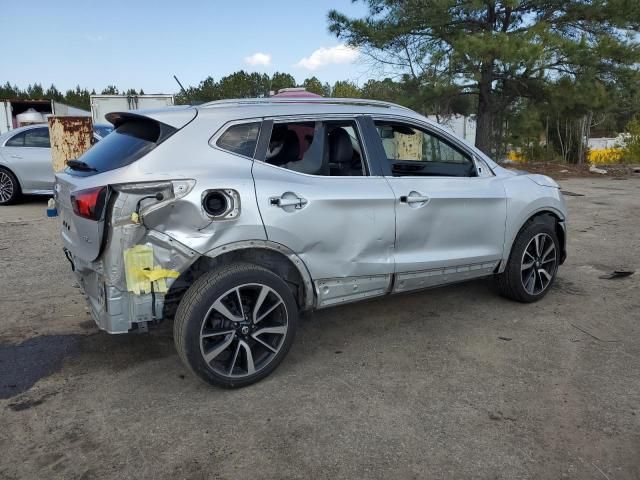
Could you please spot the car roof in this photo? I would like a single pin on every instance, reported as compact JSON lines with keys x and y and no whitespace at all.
{"x":295,"y":106}
{"x":246,"y":108}
{"x":6,"y":135}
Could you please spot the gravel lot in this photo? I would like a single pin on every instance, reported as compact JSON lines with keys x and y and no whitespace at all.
{"x":448,"y":383}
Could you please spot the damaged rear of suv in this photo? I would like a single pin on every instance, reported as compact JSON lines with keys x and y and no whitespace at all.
{"x":234,"y":216}
{"x":122,"y":265}
{"x":160,"y":203}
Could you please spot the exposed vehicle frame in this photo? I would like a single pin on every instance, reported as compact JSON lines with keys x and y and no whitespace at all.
{"x":220,"y":225}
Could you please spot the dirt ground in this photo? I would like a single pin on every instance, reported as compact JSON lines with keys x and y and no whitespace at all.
{"x":447,"y":383}
{"x":562,"y":171}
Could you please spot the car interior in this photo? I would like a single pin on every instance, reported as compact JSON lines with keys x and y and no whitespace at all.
{"x":413,"y":152}
{"x":410,"y":151}
{"x":295,"y":146}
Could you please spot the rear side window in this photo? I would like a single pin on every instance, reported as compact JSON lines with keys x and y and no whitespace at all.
{"x":126,"y":144}
{"x":240,"y":139}
{"x":16,"y":141}
{"x":38,"y":137}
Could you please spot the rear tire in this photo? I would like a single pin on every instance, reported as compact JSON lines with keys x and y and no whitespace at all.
{"x":10,"y":191}
{"x":235,"y":325}
{"x":533,"y":262}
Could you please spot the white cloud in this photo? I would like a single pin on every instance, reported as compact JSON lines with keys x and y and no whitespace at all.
{"x":95,"y":38}
{"x":259,"y":58}
{"x":327,"y":56}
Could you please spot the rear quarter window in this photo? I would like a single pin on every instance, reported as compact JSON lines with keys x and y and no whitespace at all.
{"x":16,"y":141}
{"x":129,"y":142}
{"x":240,"y":139}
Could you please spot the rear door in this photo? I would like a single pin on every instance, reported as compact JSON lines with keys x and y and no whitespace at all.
{"x":450,"y":214}
{"x":319,"y":196}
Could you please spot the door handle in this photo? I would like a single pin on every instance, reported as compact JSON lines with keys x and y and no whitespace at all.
{"x":414,"y":199}
{"x":283,"y":201}
{"x":16,"y":156}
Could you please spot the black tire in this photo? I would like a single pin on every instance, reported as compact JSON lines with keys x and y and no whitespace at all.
{"x":9,"y":183}
{"x":196,"y":312}
{"x":511,"y":282}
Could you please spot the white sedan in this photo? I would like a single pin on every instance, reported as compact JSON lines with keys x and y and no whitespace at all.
{"x":25,"y":161}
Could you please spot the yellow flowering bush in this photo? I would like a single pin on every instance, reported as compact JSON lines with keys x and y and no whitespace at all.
{"x":606,"y":156}
{"x":515,"y":156}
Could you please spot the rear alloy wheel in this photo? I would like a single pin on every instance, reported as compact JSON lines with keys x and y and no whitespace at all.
{"x":234,"y":327}
{"x":533,"y":263}
{"x":9,"y":187}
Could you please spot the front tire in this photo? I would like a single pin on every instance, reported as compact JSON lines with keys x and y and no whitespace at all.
{"x":533,"y":262}
{"x":9,"y":187}
{"x":235,"y":325}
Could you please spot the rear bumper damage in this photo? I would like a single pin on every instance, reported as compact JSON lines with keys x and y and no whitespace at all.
{"x":124,"y":295}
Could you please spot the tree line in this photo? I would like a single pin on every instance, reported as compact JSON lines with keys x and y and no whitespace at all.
{"x":78,"y":97}
{"x":540,"y":75}
{"x":554,"y":124}
{"x":244,"y":84}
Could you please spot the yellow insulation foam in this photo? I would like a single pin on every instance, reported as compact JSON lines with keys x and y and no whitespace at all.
{"x":140,"y":272}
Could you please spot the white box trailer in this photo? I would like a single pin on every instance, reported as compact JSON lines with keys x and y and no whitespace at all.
{"x":103,"y":104}
{"x":462,"y":126}
{"x":11,"y":108}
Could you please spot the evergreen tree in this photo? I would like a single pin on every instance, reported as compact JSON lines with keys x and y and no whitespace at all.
{"x":489,"y":49}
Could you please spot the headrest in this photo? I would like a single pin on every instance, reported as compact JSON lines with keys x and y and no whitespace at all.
{"x":340,"y":147}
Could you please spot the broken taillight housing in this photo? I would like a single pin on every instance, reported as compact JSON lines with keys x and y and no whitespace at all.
{"x":171,"y":191}
{"x":89,"y":203}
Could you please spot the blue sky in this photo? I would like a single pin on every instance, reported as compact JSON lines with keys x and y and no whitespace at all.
{"x":142,"y":44}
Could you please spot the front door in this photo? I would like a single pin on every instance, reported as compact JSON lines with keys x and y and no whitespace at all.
{"x":317,"y":196}
{"x":450,"y":222}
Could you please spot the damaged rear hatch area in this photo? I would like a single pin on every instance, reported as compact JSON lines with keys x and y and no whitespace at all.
{"x":82,"y":190}
{"x":87,"y":196}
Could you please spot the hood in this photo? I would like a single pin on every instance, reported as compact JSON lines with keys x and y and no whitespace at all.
{"x":537,"y":178}
{"x":543,"y":180}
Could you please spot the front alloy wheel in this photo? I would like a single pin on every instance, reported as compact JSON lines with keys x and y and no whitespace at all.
{"x":533,"y":262}
{"x":234,"y":326}
{"x":539,"y":263}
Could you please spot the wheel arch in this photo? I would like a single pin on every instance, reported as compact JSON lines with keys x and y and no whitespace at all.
{"x":270,"y":255}
{"x":554,"y":216}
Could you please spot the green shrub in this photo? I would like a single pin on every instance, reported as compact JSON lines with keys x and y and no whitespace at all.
{"x":631,"y":148}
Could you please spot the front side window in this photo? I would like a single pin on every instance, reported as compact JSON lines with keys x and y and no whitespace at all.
{"x":240,"y":139}
{"x":414,"y":152}
{"x":327,"y":148}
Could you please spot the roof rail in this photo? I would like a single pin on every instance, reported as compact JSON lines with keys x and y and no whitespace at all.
{"x":292,"y":100}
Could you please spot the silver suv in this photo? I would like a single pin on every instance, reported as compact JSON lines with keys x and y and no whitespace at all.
{"x":234,"y":216}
